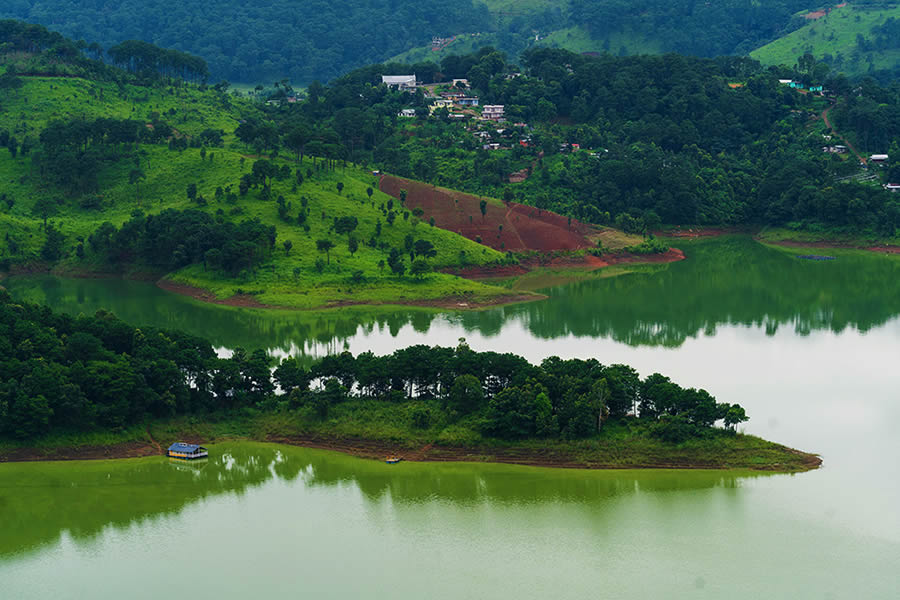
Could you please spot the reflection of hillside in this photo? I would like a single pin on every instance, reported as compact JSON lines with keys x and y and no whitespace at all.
{"x":41,"y":501}
{"x":144,"y":304}
{"x":725,"y":281}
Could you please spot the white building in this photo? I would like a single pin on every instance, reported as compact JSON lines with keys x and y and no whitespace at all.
{"x":879,"y":158}
{"x":407,"y":112}
{"x":493,"y":111}
{"x":401,"y":82}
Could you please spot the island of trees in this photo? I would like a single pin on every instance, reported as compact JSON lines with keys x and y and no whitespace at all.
{"x":70,"y":375}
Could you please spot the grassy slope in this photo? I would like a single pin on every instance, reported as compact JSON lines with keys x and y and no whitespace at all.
{"x":833,"y":34}
{"x":168,"y":174}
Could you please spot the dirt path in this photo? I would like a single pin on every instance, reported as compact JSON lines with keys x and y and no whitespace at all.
{"x":153,"y":441}
{"x":828,"y":124}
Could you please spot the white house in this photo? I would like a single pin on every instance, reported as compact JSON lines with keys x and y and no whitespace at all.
{"x":401,"y":82}
{"x":407,"y":112}
{"x":878,"y":158}
{"x":493,"y":111}
{"x":892,"y":187}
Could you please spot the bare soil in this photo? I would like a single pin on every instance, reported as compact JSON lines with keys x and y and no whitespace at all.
{"x":540,"y":457}
{"x":514,"y":227}
{"x":197,"y":293}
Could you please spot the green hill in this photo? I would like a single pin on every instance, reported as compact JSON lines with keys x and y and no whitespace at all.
{"x":77,"y":203}
{"x":854,"y":39}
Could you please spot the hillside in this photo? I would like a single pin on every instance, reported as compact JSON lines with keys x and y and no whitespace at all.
{"x":78,"y":204}
{"x":317,"y":40}
{"x":260,"y":42}
{"x":854,"y":39}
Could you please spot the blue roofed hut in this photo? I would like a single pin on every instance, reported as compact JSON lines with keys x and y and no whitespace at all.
{"x":186,"y":451}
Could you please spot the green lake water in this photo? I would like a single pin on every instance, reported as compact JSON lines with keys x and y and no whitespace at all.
{"x":810,"y":348}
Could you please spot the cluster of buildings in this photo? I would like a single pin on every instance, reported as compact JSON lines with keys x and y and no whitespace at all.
{"x":457,"y":100}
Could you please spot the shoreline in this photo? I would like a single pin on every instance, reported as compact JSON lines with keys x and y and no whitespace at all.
{"x":453,"y":302}
{"x":559,"y":456}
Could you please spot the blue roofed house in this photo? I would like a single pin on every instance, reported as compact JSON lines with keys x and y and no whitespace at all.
{"x":186,"y":451}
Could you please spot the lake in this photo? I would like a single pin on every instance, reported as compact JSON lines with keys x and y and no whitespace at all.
{"x":810,"y":348}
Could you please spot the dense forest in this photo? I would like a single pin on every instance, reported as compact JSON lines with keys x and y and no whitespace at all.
{"x":63,"y":373}
{"x":302,"y":41}
{"x":678,"y":139}
{"x":689,"y":26}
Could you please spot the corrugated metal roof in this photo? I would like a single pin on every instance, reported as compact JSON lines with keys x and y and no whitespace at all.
{"x":182,"y":447}
{"x":398,"y":79}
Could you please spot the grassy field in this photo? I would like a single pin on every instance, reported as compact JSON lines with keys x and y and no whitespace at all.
{"x":287,"y":279}
{"x":834,"y":34}
{"x":828,"y":238}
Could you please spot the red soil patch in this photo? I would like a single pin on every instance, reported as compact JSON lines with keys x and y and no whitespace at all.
{"x":523,"y":227}
{"x":815,"y":15}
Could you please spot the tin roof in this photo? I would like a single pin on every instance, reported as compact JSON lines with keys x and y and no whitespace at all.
{"x":182,"y":447}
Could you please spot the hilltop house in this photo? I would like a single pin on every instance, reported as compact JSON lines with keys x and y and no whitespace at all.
{"x":407,"y":112}
{"x":467,"y":101}
{"x":493,"y":111}
{"x":879,"y":159}
{"x":401,"y":82}
{"x":892,"y":187}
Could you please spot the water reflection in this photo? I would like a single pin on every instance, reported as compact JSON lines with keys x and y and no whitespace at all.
{"x":41,"y":502}
{"x":729,"y":280}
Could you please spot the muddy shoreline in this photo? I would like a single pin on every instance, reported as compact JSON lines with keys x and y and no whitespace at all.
{"x":376,"y":450}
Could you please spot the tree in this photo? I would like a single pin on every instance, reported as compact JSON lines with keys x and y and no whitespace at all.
{"x":134,"y":178}
{"x":191,"y":192}
{"x":735,"y":415}
{"x":466,"y":394}
{"x":419,"y":268}
{"x":288,"y":244}
{"x":53,"y":246}
{"x":45,"y":208}
{"x":424,"y":248}
{"x":344,"y":225}
{"x":352,"y":245}
{"x":340,"y":187}
{"x":482,"y":204}
{"x":369,"y":192}
{"x":325,"y":246}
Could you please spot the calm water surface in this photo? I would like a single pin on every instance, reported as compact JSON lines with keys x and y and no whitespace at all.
{"x":811,"y":349}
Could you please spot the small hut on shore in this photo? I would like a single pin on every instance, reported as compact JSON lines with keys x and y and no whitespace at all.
{"x":186,"y":451}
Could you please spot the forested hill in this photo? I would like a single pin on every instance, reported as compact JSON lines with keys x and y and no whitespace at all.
{"x":259,"y":41}
{"x":690,"y":26}
{"x":305,"y":40}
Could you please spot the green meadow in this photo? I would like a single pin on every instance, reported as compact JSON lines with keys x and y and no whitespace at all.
{"x":289,"y":277}
{"x":836,"y":35}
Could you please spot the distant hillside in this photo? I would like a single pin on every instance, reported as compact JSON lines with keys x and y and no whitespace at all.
{"x":859,"y":38}
{"x":261,"y":41}
{"x":305,"y":40}
{"x":104,"y":175}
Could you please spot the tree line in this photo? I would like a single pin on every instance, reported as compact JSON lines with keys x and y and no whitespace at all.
{"x":174,"y":239}
{"x":64,"y":373}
